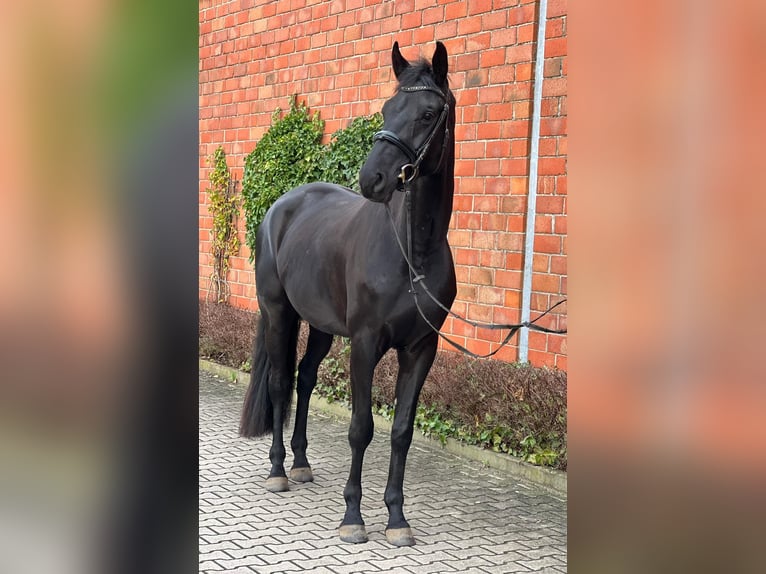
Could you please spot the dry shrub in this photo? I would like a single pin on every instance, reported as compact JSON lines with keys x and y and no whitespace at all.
{"x":225,"y":333}
{"x":510,"y":402}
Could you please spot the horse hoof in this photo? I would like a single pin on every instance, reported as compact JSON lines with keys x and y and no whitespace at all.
{"x":354,"y":533}
{"x":302,"y":474}
{"x":400,"y":537}
{"x":277,"y":484}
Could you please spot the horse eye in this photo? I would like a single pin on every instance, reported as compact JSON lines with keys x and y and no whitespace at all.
{"x":428,"y":116}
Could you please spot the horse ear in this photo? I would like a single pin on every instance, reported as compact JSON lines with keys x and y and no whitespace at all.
{"x":439,"y":64}
{"x":398,"y":61}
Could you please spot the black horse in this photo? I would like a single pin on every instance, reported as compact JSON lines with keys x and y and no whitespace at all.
{"x":330,"y":257}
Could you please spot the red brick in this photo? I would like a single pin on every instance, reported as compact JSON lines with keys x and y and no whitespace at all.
{"x":455,"y":10}
{"x":471,"y":185}
{"x":419,"y":36}
{"x":523,"y":72}
{"x":493,"y":222}
{"x":522,"y":14}
{"x":499,"y":149}
{"x":553,"y":126}
{"x":445,"y":30}
{"x":465,"y":293}
{"x":488,"y":130}
{"x":490,"y":295}
{"x":467,"y":97}
{"x":511,"y":241}
{"x":487,"y":167}
{"x":483,"y":239}
{"x":548,"y":244}
{"x":479,"y":6}
{"x":512,"y":301}
{"x":433,"y":15}
{"x":476,"y":78}
{"x":552,"y":166}
{"x":557,"y":8}
{"x":478,"y":42}
{"x":520,"y":148}
{"x":493,"y":57}
{"x":509,"y":279}
{"x":494,"y":20}
{"x":497,"y":185}
{"x":465,"y":167}
{"x":554,"y":27}
{"x":486,"y":204}
{"x":550,"y":204}
{"x":472,"y":149}
{"x":502,"y":111}
{"x":466,"y":256}
{"x":559,"y":265}
{"x":552,"y":67}
{"x":491,"y":94}
{"x":468,"y":220}
{"x":481,"y":313}
{"x":501,"y":75}
{"x":404,"y":6}
{"x":455,"y":47}
{"x":545,"y":283}
{"x":466,"y":62}
{"x":555,"y":87}
{"x":543,"y":223}
{"x":514,"y":261}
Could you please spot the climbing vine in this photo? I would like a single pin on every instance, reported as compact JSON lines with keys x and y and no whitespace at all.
{"x":348,"y":148}
{"x":223,"y":207}
{"x":287,"y":156}
{"x":290,"y":154}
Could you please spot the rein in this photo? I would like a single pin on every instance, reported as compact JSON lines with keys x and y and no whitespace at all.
{"x":408,"y":173}
{"x":417,"y":278}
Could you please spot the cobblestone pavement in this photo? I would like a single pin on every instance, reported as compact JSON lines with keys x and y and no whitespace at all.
{"x":466,"y":518}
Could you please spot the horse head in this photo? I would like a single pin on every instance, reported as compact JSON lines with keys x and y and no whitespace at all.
{"x":418,"y":123}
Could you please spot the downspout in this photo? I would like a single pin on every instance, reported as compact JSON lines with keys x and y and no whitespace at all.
{"x":534,"y":152}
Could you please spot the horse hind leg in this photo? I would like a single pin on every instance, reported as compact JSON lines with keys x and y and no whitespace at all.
{"x":318,"y":346}
{"x":281,"y":336}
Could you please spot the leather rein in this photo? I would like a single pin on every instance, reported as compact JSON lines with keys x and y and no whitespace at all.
{"x":408,"y":173}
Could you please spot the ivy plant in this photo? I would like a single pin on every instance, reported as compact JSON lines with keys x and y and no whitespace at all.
{"x":287,"y":156}
{"x":223,"y":207}
{"x":347,"y":151}
{"x":290,"y":154}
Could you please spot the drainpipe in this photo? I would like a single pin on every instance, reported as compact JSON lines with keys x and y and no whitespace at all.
{"x":534,"y":150}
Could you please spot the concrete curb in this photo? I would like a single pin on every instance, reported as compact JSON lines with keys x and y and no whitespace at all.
{"x":552,"y":480}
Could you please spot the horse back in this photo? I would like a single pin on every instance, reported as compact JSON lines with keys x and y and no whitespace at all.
{"x":306,"y":244}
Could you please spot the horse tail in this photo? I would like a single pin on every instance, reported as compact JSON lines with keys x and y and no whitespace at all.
{"x":258,"y":412}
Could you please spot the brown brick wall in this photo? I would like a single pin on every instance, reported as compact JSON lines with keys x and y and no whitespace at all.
{"x":336,"y":56}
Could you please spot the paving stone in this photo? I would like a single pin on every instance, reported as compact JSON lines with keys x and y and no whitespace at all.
{"x":465,"y":518}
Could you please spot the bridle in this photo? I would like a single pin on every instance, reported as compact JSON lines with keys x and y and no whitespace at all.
{"x":411,"y":170}
{"x":408,"y":173}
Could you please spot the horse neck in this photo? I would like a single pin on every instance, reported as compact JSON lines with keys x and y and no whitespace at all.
{"x":431,"y":210}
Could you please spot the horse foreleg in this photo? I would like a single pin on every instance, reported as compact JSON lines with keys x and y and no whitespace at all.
{"x":318,"y":346}
{"x":364,"y":357}
{"x":414,"y":365}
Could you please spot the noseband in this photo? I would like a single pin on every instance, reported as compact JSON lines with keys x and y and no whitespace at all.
{"x":410,"y":170}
